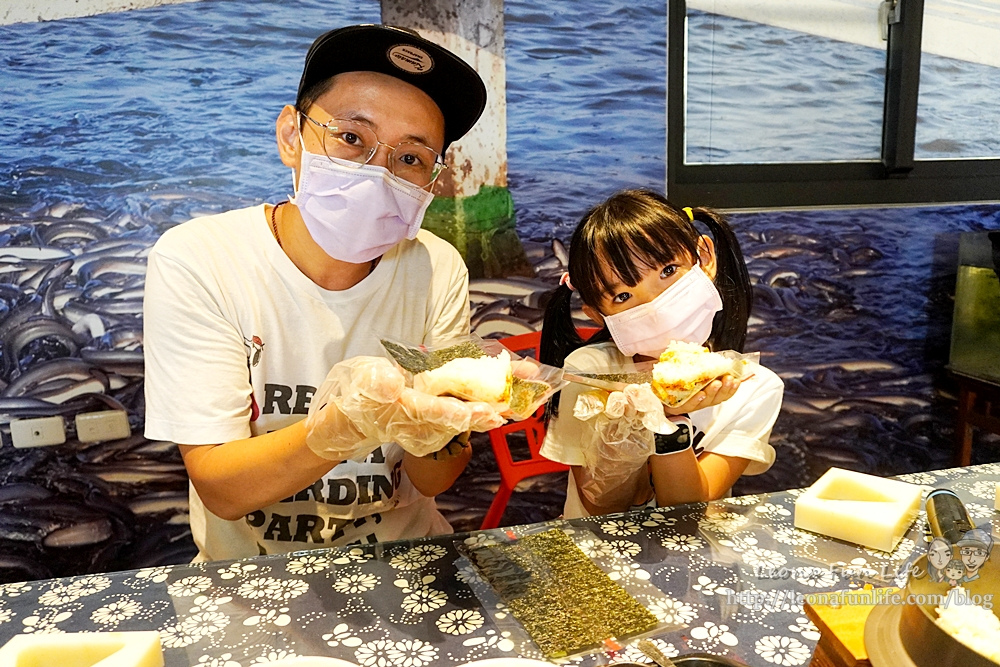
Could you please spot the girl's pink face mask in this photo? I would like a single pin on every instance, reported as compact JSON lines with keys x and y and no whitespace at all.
{"x":684,"y":311}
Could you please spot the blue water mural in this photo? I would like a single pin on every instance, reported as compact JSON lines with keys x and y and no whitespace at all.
{"x":757,"y":93}
{"x":116,"y":127}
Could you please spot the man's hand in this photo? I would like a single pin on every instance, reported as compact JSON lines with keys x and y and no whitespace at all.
{"x":371,"y":395}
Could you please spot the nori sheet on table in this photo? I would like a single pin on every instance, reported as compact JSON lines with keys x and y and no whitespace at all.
{"x":565,"y":602}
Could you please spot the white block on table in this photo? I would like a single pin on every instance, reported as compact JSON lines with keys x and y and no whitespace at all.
{"x":852,"y":506}
{"x":996,"y":498}
{"x":84,"y":649}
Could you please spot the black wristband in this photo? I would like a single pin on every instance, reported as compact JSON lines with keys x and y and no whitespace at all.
{"x":677,"y":441}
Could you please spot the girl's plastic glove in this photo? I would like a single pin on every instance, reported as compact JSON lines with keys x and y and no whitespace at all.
{"x":364,"y":402}
{"x":620,"y":442}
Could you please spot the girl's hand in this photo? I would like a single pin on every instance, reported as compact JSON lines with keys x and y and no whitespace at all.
{"x":716,"y":392}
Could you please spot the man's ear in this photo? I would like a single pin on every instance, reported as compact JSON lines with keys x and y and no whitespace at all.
{"x":287,"y":133}
{"x":594,"y":315}
{"x":706,"y":255}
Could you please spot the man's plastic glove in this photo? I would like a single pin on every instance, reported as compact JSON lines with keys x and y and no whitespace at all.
{"x":364,"y":402}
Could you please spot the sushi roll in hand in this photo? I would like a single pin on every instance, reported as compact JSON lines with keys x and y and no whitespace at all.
{"x":487,"y":379}
{"x":684,"y":369}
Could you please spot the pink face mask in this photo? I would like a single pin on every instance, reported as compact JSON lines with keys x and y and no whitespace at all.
{"x":684,"y":311}
{"x":356,"y":213}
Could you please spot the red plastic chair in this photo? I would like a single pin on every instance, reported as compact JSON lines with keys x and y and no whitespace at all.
{"x":511,"y":471}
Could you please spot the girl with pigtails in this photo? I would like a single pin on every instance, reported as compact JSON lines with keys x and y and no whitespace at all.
{"x":647,"y":276}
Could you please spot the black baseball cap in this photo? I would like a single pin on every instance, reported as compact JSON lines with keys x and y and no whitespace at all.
{"x":454,"y":86}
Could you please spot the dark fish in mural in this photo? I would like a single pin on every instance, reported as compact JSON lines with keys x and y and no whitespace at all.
{"x":71,"y":287}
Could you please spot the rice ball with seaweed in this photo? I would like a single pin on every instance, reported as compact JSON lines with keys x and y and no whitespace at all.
{"x":485,"y":378}
{"x":684,"y":368}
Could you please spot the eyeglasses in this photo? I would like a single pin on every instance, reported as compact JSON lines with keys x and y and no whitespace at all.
{"x":409,"y":162}
{"x":972,"y":551}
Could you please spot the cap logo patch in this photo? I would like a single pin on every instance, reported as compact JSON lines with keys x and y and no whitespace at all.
{"x":410,"y":59}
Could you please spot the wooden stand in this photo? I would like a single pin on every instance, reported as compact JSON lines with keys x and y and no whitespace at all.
{"x":842,"y":630}
{"x":978,"y":406}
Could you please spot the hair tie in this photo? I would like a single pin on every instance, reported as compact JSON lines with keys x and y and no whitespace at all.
{"x":564,"y":280}
{"x":687,"y":209}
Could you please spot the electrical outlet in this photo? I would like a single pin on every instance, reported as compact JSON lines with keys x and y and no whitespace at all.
{"x":38,"y":432}
{"x":101,"y":426}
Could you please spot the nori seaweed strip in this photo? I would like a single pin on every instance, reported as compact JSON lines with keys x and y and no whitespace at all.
{"x":568,"y":604}
{"x":415,"y":360}
{"x":627,"y":378}
{"x":524,"y":393}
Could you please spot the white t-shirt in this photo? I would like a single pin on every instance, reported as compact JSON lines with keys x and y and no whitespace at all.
{"x":739,"y":427}
{"x":236,"y":342}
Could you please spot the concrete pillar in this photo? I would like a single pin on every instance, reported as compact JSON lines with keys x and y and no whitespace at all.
{"x":473,"y":209}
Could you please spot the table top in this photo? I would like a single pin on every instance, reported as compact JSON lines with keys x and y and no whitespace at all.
{"x":730,"y":576}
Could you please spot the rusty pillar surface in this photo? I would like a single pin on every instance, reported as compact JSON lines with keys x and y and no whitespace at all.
{"x":473,"y":209}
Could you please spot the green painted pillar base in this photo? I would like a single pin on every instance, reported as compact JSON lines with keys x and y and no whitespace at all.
{"x":482,"y":228}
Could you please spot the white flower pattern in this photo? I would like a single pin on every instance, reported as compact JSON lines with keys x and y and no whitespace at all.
{"x":412,"y":653}
{"x":273,"y":656}
{"x":723,"y":522}
{"x":355,"y":582}
{"x":459,"y":621}
{"x":782,"y":650}
{"x":423,"y":600}
{"x":205,"y":623}
{"x":157,"y":575}
{"x":669,"y":610}
{"x":758,"y":557}
{"x":238,"y":569}
{"x":681,"y":542}
{"x":175,"y":636}
{"x":793,"y":536}
{"x":14,"y":589}
{"x":374,"y":654}
{"x":261,"y":588}
{"x":706,"y":586}
{"x":817,"y":577}
{"x":345,"y":602}
{"x":417,"y":557}
{"x":309,"y":564}
{"x":713,"y":634}
{"x":189,"y":586}
{"x":224,"y":660}
{"x":620,"y":527}
{"x":772,"y":510}
{"x":115,"y":612}
{"x":806,"y":628}
{"x":342,"y":635}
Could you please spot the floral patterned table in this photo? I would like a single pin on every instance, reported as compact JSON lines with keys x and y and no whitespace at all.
{"x":419,"y":603}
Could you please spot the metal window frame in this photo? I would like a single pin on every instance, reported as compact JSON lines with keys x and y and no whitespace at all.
{"x":897,"y":179}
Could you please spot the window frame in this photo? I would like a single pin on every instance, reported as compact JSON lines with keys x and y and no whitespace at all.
{"x":897,"y":179}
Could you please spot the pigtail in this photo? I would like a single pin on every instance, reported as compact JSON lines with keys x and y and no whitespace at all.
{"x":559,"y":336}
{"x":729,"y":328}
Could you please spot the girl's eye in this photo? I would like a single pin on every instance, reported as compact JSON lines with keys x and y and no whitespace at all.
{"x":668,"y":271}
{"x":621,"y":298}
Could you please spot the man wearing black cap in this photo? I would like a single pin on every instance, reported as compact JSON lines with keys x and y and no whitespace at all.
{"x":247,"y":311}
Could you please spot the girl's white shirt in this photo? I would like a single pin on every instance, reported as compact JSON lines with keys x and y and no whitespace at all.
{"x":739,"y":427}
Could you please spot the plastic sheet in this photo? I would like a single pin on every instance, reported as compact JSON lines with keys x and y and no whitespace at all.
{"x":565,"y":602}
{"x":531,"y":383}
{"x":676,"y":390}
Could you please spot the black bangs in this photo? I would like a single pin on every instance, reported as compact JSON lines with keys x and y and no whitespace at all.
{"x":623,"y":238}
